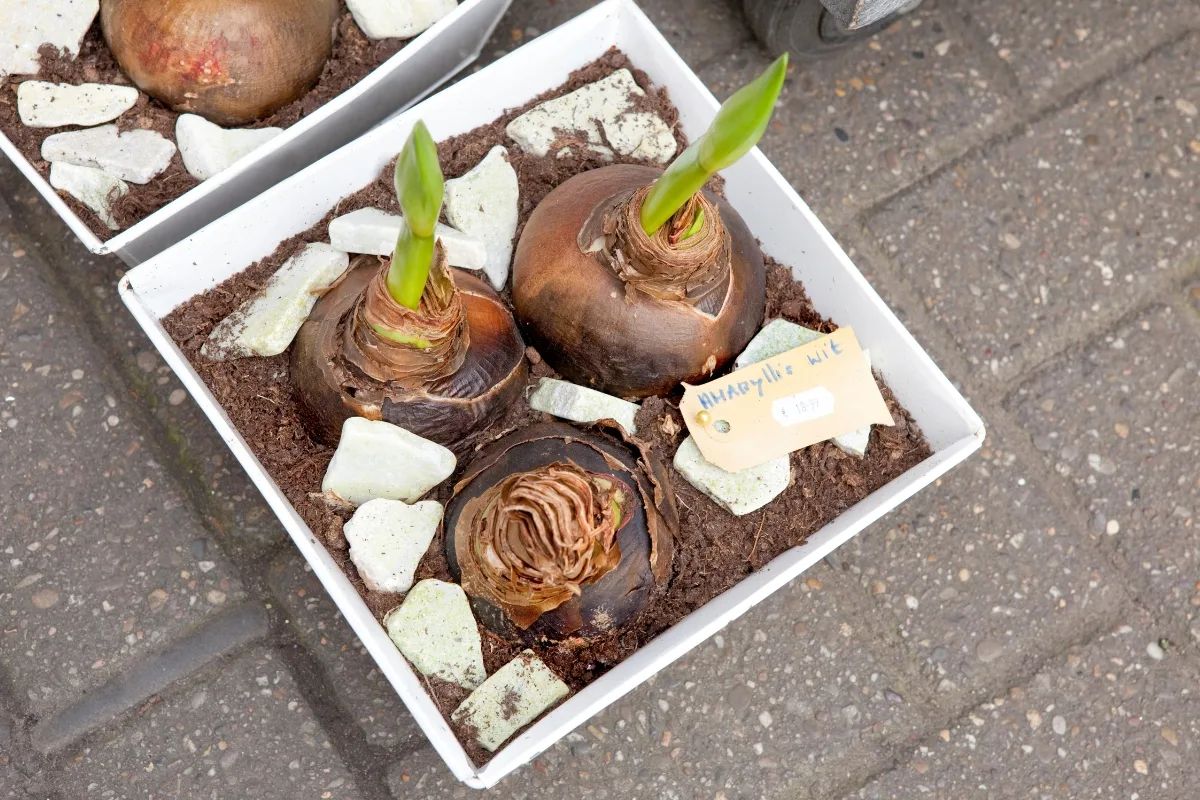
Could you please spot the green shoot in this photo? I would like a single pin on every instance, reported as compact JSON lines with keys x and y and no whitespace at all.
{"x":419,"y":188}
{"x":736,"y":128}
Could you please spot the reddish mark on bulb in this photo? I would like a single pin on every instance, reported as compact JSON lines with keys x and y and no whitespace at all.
{"x":204,"y":68}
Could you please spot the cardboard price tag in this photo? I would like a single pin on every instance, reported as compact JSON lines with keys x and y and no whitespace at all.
{"x":815,"y":392}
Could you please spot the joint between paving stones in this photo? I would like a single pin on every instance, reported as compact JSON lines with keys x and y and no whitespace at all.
{"x":366,"y":762}
{"x":219,"y":637}
{"x":1136,"y":586}
{"x":116,"y":368}
{"x":886,"y":646}
{"x":961,"y":710}
{"x":997,"y":68}
{"x":1010,"y":126}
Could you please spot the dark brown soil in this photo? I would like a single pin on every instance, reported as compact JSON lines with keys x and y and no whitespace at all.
{"x":354,"y":57}
{"x":715,"y":549}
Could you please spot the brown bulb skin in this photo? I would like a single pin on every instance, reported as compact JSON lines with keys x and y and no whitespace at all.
{"x":230,"y":61}
{"x":451,"y":411}
{"x":573,"y":308}
{"x":614,"y":601}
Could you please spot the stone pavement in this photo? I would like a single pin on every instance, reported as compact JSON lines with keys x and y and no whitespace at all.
{"x":1019,"y":179}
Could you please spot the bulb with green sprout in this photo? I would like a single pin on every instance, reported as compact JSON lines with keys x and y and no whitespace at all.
{"x":632,"y":280}
{"x":409,"y":341}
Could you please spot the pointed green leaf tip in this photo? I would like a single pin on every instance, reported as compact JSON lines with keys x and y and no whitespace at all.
{"x":419,"y":182}
{"x":737,"y":127}
{"x":419,"y":188}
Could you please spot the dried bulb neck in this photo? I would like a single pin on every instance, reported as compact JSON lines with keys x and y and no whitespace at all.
{"x":682,"y":262}
{"x":408,"y":348}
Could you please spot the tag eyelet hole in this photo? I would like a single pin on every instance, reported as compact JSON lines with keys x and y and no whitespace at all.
{"x":721,"y":426}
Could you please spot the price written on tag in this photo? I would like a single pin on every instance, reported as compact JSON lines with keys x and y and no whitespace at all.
{"x":815,"y":392}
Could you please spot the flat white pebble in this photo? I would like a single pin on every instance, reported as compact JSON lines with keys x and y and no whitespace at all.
{"x":378,"y":459}
{"x":435,"y":630}
{"x":134,"y":156}
{"x":95,"y":188}
{"x":265,"y":324}
{"x":208,"y":149}
{"x":387,"y":540}
{"x":510,"y":699}
{"x":374,"y":232}
{"x":739,"y":492}
{"x":42,"y":104}
{"x":581,"y":404}
{"x":389,"y":19}
{"x":607,"y":103}
{"x":483,"y":204}
{"x":25,"y":25}
{"x":776,"y":337}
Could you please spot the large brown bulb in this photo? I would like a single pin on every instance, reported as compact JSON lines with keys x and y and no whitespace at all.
{"x":230,"y":61}
{"x":452,"y":410}
{"x":587,"y":323}
{"x":546,"y":564}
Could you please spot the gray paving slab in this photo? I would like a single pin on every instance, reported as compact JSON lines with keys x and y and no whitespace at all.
{"x":10,"y":787}
{"x":797,"y":698}
{"x":856,"y":127}
{"x":1117,"y":419}
{"x":358,"y":685}
{"x":697,"y":29}
{"x":214,"y":482}
{"x":1062,"y":229}
{"x":101,"y":558}
{"x":240,"y":729}
{"x":1057,"y":46}
{"x":11,"y":782}
{"x":1118,"y":718}
{"x":984,"y":576}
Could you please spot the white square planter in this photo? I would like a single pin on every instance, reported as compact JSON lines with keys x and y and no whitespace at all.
{"x":421,"y":66}
{"x":787,"y":229}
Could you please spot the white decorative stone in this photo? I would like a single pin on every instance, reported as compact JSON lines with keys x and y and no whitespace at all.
{"x":379,"y":459}
{"x":25,"y":25}
{"x":581,"y":404}
{"x":778,"y":336}
{"x":95,"y":188}
{"x":134,"y":156}
{"x":265,"y":324}
{"x":607,"y":103}
{"x":374,"y":232}
{"x":483,"y":204}
{"x":387,"y":539}
{"x":207,"y":148}
{"x":435,"y":630}
{"x":398,"y":19}
{"x":640,"y":134}
{"x":51,"y":105}
{"x":739,"y":492}
{"x":511,"y":699}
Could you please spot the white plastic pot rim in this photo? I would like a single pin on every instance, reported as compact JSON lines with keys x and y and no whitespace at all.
{"x":778,"y":217}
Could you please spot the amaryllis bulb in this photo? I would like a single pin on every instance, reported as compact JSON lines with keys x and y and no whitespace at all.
{"x":556,"y":532}
{"x":611,"y":307}
{"x":446,"y":370}
{"x":230,"y":61}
